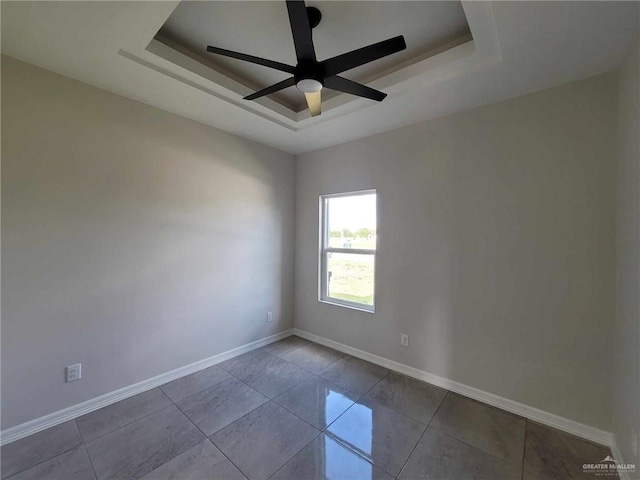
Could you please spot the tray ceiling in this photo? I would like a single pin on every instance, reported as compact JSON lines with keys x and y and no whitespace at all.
{"x":517,"y":48}
{"x":262,"y":28}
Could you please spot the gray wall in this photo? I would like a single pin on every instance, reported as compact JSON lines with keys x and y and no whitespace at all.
{"x":626,"y":388}
{"x":134,"y":241}
{"x":496,"y":248}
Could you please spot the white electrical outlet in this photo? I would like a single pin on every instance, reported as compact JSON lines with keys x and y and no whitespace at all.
{"x":74,"y":372}
{"x":269,"y":317}
{"x":404,"y":339}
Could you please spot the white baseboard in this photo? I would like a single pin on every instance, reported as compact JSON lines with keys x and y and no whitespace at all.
{"x":570,"y":426}
{"x":33,"y":426}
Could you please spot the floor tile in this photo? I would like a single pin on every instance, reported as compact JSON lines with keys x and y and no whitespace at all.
{"x":204,"y":461}
{"x":136,"y":449}
{"x":39,"y":447}
{"x":112,"y":417}
{"x":380,"y":435}
{"x":196,"y":382}
{"x":325,"y":459}
{"x":262,"y":441}
{"x":317,"y":401}
{"x":237,"y":366}
{"x":285,"y":346}
{"x":267,"y":373}
{"x":410,"y":397}
{"x":552,"y":454}
{"x":440,"y":457}
{"x":71,"y":465}
{"x":313,"y":357}
{"x":355,"y":374}
{"x":492,"y":430}
{"x":218,"y":406}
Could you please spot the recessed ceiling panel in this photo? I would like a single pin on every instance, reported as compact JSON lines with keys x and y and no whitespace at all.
{"x":262,"y":29}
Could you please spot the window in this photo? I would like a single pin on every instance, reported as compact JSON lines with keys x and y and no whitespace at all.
{"x":348,"y":249}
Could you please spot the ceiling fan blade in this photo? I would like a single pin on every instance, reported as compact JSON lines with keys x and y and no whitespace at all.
{"x":355,"y":58}
{"x":250,"y":58}
{"x":301,"y":30}
{"x":347,"y":86}
{"x":289,"y":82}
{"x":314,"y":102}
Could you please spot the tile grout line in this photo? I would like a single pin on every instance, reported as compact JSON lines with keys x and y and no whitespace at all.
{"x":296,"y":453}
{"x":376,"y":384}
{"x":82,"y":444}
{"x":524,"y":449}
{"x":290,"y":351}
{"x":356,"y":401}
{"x":398,"y":411}
{"x":343,"y":355}
{"x":423,"y":433}
{"x":348,"y":447}
{"x":268,"y":401}
{"x":206,"y":438}
{"x":320,"y":431}
{"x":119,"y":428}
{"x":344,"y":444}
{"x":289,"y":388}
{"x":502,"y":459}
{"x":247,"y":385}
{"x":360,"y":397}
{"x":263,"y":394}
{"x":505,"y":460}
{"x":159,"y":387}
{"x":86,"y":450}
{"x":126,"y":424}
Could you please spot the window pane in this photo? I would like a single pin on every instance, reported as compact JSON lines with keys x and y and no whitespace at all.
{"x":350,"y":277}
{"x":352,"y":221}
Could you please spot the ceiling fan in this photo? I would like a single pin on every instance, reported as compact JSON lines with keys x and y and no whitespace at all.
{"x":309,"y":75}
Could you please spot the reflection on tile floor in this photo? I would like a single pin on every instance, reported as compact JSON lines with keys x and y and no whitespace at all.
{"x":298,"y":410}
{"x":382,"y":436}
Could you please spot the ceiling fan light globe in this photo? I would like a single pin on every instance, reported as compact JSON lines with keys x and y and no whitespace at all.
{"x":309,"y":85}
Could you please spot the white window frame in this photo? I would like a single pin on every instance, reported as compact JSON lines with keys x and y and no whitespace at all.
{"x":324,"y":250}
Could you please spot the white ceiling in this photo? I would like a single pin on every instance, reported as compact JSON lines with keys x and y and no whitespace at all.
{"x":517,"y":48}
{"x":262,"y":29}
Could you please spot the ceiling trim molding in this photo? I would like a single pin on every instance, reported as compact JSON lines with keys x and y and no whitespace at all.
{"x":451,"y":60}
{"x":244,"y":105}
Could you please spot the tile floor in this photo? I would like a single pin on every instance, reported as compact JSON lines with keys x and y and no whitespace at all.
{"x":298,"y":410}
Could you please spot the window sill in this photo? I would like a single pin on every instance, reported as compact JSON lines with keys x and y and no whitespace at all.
{"x":351,"y":306}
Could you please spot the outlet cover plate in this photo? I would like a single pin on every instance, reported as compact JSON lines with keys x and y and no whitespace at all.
{"x":74,"y":372}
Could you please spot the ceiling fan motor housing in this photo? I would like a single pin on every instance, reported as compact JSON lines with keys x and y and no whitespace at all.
{"x":309,"y":76}
{"x":314,"y":16}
